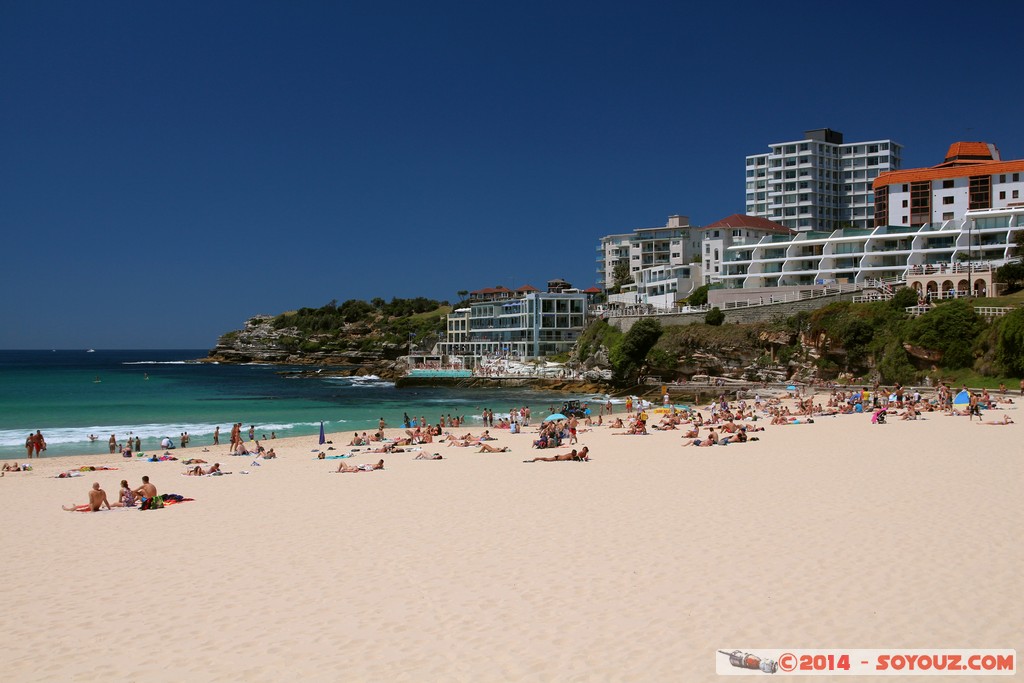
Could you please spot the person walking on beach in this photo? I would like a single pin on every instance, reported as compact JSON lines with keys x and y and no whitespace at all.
{"x":112,"y":443}
{"x":40,"y":443}
{"x":97,"y":498}
{"x":30,"y":444}
{"x":138,"y":443}
{"x":216,"y":436}
{"x":252,"y":432}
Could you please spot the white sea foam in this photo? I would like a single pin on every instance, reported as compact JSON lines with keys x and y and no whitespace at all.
{"x":161,"y":362}
{"x":363,"y":382}
{"x":13,"y":438}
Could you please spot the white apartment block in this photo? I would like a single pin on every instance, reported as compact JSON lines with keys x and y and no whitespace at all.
{"x":820,"y":182}
{"x":972,"y":177}
{"x":675,"y":244}
{"x":736,"y":229}
{"x":983,"y":236}
{"x":524,"y":324}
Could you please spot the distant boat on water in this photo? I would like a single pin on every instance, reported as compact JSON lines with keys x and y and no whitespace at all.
{"x":97,"y":380}
{"x":91,"y":351}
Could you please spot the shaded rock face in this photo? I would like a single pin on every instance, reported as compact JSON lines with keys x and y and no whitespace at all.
{"x":260,"y":342}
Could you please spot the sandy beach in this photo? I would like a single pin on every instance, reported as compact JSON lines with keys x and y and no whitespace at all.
{"x":637,"y":565}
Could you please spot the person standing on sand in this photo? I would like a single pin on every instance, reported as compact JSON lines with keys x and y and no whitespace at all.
{"x":97,"y":498}
{"x":30,"y":444}
{"x":112,"y":443}
{"x":252,"y":432}
{"x":138,"y":443}
{"x":40,"y":443}
{"x":216,"y":436}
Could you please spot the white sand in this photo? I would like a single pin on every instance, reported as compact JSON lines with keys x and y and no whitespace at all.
{"x":638,"y":565}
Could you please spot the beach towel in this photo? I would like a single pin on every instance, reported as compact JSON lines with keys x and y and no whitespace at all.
{"x":337,"y":457}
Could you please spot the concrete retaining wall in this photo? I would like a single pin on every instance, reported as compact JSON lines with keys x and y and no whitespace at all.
{"x":749,"y":314}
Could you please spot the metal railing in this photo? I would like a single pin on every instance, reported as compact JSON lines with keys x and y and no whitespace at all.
{"x":987,"y":312}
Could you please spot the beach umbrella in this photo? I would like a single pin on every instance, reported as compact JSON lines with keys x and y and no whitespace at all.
{"x":791,"y":388}
{"x":323,"y":439}
{"x":554,"y":416}
{"x":962,"y":399}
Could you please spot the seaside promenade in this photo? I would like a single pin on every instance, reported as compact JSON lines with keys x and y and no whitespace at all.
{"x":637,"y":565}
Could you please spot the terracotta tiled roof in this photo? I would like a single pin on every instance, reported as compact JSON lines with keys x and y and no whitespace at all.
{"x":972,"y":152}
{"x":592,"y":290}
{"x":492,"y":290}
{"x":739,"y":220}
{"x":945,"y":172}
{"x":527,"y":288}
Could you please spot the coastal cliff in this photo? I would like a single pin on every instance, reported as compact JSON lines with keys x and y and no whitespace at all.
{"x":259,"y":341}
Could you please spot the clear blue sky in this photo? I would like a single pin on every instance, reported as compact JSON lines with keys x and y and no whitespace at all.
{"x":168,"y":169}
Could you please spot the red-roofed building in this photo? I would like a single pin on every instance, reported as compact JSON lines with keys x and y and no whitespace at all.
{"x":491,"y":294}
{"x":971,"y":177}
{"x":732,"y":230}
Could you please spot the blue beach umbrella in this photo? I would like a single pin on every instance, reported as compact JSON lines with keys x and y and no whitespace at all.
{"x":323,"y":439}
{"x":962,"y":399}
{"x":555,"y":416}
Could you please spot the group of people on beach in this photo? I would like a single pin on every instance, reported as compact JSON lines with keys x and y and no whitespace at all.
{"x":127,"y":497}
{"x":35,"y":444}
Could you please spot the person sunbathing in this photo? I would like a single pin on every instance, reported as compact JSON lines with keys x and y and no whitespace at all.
{"x":97,"y":498}
{"x":15,"y":467}
{"x":127,"y":496}
{"x":345,"y":467}
{"x":582,"y":456}
{"x":194,"y":461}
{"x":1005,"y":421}
{"x":710,"y":440}
{"x":199,"y":470}
{"x":424,"y":456}
{"x":488,"y":448}
{"x":269,"y":455}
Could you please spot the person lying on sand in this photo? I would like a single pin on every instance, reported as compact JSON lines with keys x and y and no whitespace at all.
{"x":15,"y":467}
{"x":97,"y":498}
{"x":199,"y":470}
{"x":194,"y":461}
{"x":1005,"y":421}
{"x":424,"y":456}
{"x":269,"y":455}
{"x":582,"y":456}
{"x":488,"y":448}
{"x":710,"y":440}
{"x":345,"y":467}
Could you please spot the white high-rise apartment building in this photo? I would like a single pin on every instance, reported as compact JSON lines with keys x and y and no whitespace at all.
{"x":820,"y":182}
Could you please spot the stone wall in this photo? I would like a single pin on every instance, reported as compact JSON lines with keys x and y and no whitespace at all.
{"x":749,"y":314}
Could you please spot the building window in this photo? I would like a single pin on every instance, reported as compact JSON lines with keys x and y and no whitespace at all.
{"x":904,"y":203}
{"x":947,"y":200}
{"x":946,"y":184}
{"x":1002,"y":178}
{"x":1016,"y":177}
{"x":948,"y":216}
{"x":980,"y":192}
{"x":1016,"y":194}
{"x":1002,"y":194}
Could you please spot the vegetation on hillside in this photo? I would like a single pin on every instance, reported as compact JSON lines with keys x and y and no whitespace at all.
{"x":856,"y":340}
{"x":359,"y":325}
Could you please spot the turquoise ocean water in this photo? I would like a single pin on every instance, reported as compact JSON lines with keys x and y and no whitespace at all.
{"x":69,"y":395}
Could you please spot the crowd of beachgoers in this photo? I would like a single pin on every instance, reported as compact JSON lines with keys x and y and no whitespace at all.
{"x":721,"y":422}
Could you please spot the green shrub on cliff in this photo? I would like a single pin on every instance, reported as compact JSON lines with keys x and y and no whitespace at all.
{"x":627,"y":357}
